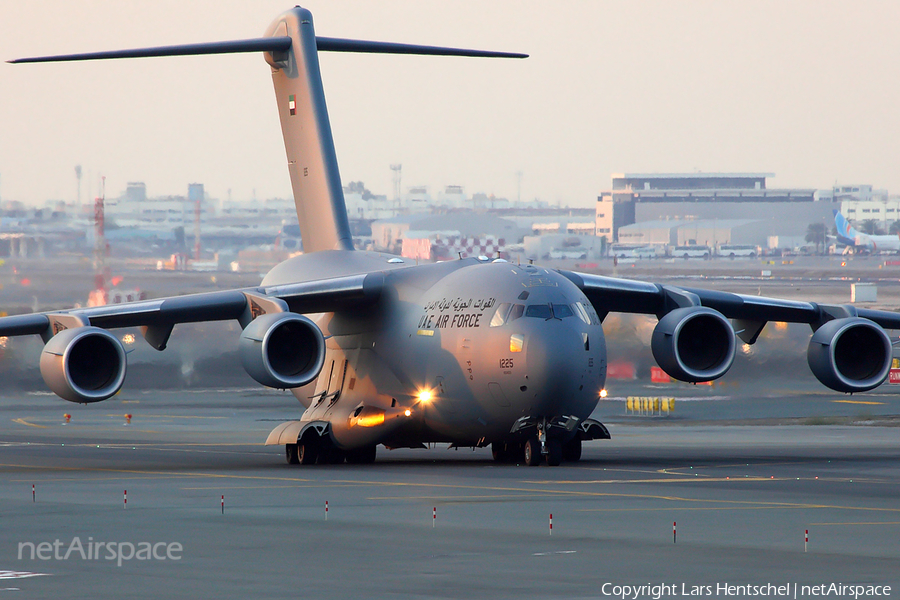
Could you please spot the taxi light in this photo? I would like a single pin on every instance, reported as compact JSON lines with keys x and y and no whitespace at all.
{"x":603,"y":393}
{"x":424,"y":396}
{"x":407,"y":412}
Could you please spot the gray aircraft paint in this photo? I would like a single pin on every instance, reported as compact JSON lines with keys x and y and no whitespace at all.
{"x":507,"y":354}
{"x":312,"y":162}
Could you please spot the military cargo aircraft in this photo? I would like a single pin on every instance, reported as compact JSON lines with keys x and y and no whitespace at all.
{"x":471,"y":352}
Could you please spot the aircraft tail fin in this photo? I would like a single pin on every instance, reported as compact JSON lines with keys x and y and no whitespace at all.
{"x":846,"y":233}
{"x":291,"y":49}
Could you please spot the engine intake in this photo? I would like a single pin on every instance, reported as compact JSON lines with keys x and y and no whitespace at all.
{"x":850,"y":355}
{"x":693,"y":344}
{"x":282,"y":350}
{"x":84,"y":364}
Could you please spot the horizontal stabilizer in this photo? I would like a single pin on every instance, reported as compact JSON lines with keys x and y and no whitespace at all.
{"x":326,"y":44}
{"x":271,"y":44}
{"x":267,"y":44}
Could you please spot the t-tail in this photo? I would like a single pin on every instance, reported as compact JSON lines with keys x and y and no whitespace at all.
{"x":291,"y":48}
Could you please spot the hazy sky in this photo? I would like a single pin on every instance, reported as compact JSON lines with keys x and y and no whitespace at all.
{"x":805,"y":89}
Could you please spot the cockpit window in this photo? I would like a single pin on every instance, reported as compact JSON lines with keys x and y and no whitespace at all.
{"x":582,"y":312}
{"x":516,"y":312}
{"x":500,"y":314}
{"x":593,"y":314}
{"x":561,"y":311}
{"x":539,"y":311}
{"x":516,"y":342}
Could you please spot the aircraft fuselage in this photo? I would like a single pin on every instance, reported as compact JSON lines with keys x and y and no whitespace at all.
{"x":453,"y":352}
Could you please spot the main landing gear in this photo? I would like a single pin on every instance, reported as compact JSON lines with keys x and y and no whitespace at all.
{"x":311,"y":449}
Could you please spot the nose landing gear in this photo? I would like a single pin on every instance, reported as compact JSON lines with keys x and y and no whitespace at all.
{"x":551,"y":440}
{"x":532,"y":452}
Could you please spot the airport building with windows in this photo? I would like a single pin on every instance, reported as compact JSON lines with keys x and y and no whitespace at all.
{"x":862,"y":202}
{"x":719,"y":207}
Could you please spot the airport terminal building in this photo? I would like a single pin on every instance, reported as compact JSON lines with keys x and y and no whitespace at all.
{"x":716,"y":208}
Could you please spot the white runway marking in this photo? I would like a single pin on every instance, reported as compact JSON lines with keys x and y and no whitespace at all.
{"x":19,"y":575}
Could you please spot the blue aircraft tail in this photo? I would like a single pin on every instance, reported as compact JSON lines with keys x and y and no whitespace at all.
{"x":845,"y":232}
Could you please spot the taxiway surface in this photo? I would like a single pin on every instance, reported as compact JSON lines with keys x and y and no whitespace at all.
{"x":742,"y":497}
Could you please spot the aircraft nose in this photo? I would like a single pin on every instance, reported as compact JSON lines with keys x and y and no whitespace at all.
{"x":563,"y":369}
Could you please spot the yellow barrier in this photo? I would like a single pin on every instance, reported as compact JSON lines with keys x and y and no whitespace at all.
{"x":646,"y":406}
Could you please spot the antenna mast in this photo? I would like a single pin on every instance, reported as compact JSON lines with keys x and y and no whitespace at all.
{"x":99,"y":296}
{"x":397,"y":168}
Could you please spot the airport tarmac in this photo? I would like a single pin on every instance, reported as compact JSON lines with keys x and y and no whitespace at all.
{"x":742,"y":496}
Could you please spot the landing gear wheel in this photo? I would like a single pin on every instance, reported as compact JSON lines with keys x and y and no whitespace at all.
{"x":572,"y":450}
{"x":290,"y":454}
{"x":532,"y":452}
{"x":554,"y":452}
{"x":331,"y":456}
{"x":362,"y":456}
{"x":308,"y":451}
{"x":500,"y":452}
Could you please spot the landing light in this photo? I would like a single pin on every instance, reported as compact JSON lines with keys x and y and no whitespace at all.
{"x":603,"y":393}
{"x":407,"y":412}
{"x":424,"y":396}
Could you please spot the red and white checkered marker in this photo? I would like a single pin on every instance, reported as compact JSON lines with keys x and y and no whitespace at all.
{"x":805,"y":540}
{"x":433,"y":516}
{"x":32,"y":492}
{"x":125,"y":499}
{"x":326,"y":510}
{"x":551,"y":523}
{"x":673,"y":532}
{"x":223,"y":504}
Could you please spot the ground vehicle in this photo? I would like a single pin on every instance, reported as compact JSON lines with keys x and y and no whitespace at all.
{"x":691,"y":251}
{"x":647,"y":252}
{"x":738,"y":250}
{"x":631,"y":251}
{"x":622,"y":251}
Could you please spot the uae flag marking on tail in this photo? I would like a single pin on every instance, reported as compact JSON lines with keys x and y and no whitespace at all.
{"x":292,"y":105}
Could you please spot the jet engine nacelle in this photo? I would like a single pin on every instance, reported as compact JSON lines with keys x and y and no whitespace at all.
{"x":83,"y":364}
{"x":282,"y":350}
{"x":850,"y":355}
{"x":693,"y":344}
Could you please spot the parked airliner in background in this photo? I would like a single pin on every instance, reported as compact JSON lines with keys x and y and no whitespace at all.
{"x":474,"y":352}
{"x":848,"y":236}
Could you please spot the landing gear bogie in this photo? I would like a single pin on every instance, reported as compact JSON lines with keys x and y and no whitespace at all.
{"x":308,"y":451}
{"x":554,"y":452}
{"x":362,"y":456}
{"x":290,"y":454}
{"x":571,"y":450}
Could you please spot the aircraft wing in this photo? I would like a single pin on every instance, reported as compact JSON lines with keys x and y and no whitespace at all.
{"x":751,"y":313}
{"x":159,"y":316}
